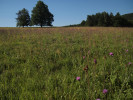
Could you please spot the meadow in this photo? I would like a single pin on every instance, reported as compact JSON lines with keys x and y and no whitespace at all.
{"x":66,"y":63}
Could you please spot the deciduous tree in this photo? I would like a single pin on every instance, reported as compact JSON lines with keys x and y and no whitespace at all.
{"x":23,"y":18}
{"x":41,"y":15}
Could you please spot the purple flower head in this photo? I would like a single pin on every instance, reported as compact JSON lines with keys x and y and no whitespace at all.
{"x":127,"y":50}
{"x":98,"y":99}
{"x":83,"y":57}
{"x":95,"y":61}
{"x":105,"y":91}
{"x":111,"y":54}
{"x":129,"y":63}
{"x":78,"y":78}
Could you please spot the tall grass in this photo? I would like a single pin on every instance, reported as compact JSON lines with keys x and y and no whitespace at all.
{"x":43,"y":63}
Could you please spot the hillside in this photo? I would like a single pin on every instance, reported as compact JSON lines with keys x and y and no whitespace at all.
{"x":129,"y":17}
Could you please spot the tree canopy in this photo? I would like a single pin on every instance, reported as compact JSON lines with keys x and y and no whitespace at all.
{"x":41,"y":15}
{"x":23,"y":18}
{"x":105,"y":19}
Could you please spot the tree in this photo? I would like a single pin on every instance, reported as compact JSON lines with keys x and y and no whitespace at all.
{"x":89,"y":21}
{"x":23,"y":18}
{"x":101,"y":19}
{"x":111,"y":16}
{"x":117,"y":20}
{"x":83,"y":23}
{"x":41,"y":15}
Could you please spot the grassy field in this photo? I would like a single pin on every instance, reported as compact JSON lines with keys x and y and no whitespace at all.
{"x":73,"y":63}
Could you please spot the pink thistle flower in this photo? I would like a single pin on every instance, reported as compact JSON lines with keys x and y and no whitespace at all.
{"x":98,"y":99}
{"x":105,"y":91}
{"x":127,"y":50}
{"x":111,"y":54}
{"x":95,"y":61}
{"x":83,"y":57}
{"x":129,"y":63}
{"x":78,"y":78}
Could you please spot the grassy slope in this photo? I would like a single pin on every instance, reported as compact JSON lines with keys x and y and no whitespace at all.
{"x":43,"y":63}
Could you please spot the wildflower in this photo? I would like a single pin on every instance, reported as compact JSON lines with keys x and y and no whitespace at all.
{"x":78,"y":78}
{"x":83,"y":57}
{"x":111,"y":54}
{"x":95,"y":61}
{"x":86,"y":68}
{"x":127,"y":50}
{"x":105,"y":91}
{"x":98,"y":99}
{"x":129,"y":63}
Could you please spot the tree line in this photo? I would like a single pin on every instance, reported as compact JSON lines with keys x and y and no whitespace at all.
{"x":105,"y":19}
{"x":41,"y":16}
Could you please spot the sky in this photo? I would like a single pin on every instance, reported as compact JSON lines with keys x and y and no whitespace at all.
{"x":66,"y":12}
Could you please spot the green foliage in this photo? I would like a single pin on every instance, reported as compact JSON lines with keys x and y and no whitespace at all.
{"x":120,"y":21}
{"x":23,"y":18}
{"x":128,"y":16}
{"x":43,"y":63}
{"x":89,"y":21}
{"x":83,"y":23}
{"x":41,"y":15}
{"x":105,"y":19}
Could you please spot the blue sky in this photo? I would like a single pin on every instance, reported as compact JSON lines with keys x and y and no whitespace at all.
{"x":65,"y":12}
